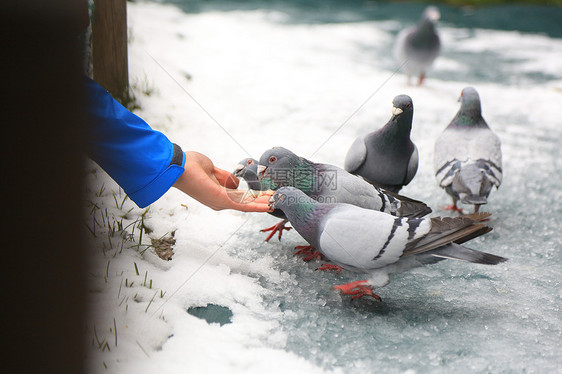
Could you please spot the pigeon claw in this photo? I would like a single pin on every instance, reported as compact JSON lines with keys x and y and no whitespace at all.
{"x":277,"y":228}
{"x":315,"y":254}
{"x":337,"y":268}
{"x":357,"y":290}
{"x":304,"y":250}
{"x":309,"y":252}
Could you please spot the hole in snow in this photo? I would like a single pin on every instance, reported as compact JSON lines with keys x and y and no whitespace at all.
{"x":212,"y":313}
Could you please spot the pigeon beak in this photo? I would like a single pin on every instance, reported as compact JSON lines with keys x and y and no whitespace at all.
{"x":238,"y":170}
{"x":261,"y":171}
{"x":396,"y":111}
{"x":273,"y":200}
{"x":434,"y":15}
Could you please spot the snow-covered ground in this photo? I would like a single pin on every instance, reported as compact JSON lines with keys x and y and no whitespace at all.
{"x":267,"y":82}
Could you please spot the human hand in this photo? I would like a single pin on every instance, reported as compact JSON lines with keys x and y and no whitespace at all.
{"x":216,"y":188}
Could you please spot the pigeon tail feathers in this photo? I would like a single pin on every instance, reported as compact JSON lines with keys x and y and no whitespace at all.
{"x":472,"y":184}
{"x":458,"y":252}
{"x":473,"y":199}
{"x":449,"y":229}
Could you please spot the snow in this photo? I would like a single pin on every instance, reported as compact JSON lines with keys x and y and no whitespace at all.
{"x":233,"y":84}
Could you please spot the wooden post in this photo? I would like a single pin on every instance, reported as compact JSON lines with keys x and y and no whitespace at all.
{"x":109,"y":47}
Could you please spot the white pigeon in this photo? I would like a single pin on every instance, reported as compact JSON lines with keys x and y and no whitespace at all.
{"x":417,"y":47}
{"x":468,"y":158}
{"x":376,"y":243}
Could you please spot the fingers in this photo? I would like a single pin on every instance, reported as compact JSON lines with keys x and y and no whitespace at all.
{"x":249,"y":201}
{"x":255,"y":207}
{"x":217,"y":188}
{"x":241,"y":196}
{"x":267,"y":193}
{"x":264,"y":196}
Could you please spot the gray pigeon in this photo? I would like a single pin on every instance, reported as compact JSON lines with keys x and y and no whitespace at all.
{"x":467,"y":158}
{"x":387,"y":157}
{"x":326,"y":183}
{"x":418,"y":46}
{"x":368,"y":241}
{"x":248,"y":170}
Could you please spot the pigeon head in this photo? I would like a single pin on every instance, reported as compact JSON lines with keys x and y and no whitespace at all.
{"x":274,"y":166}
{"x":280,"y":167}
{"x":402,"y":104}
{"x":470,"y":102}
{"x":402,"y":113}
{"x":245,"y":167}
{"x":428,"y":21}
{"x":277,"y":157}
{"x":432,"y":14}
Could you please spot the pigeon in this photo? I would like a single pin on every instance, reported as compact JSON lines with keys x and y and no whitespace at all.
{"x":387,"y":157}
{"x":279,"y":167}
{"x":247,"y":169}
{"x":418,"y":46}
{"x":378,"y":244}
{"x":467,"y":157}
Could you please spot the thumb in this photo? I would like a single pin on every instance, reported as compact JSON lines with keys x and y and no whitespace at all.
{"x":226,"y":178}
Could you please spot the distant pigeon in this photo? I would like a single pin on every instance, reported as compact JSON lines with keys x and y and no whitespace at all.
{"x":326,"y":183}
{"x":247,"y":169}
{"x":387,"y":157}
{"x":372,"y":242}
{"x":418,"y":46}
{"x":468,"y":159}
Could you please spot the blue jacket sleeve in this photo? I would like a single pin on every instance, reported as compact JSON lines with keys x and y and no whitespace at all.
{"x":143,"y":161}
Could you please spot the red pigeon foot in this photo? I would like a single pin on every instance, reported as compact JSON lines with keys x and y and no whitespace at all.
{"x":422,"y":79}
{"x":453,"y":207}
{"x":337,"y":268}
{"x":304,"y":250}
{"x":358,"y":289}
{"x":309,"y":251}
{"x":315,"y":254}
{"x":279,"y":227}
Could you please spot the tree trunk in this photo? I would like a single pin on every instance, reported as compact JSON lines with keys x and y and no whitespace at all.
{"x":109,"y":47}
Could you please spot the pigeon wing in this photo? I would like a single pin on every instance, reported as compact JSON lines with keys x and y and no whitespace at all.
{"x":412,"y":166}
{"x":356,"y":155}
{"x":361,"y":239}
{"x":455,"y":148}
{"x":449,"y":151}
{"x":486,"y":147}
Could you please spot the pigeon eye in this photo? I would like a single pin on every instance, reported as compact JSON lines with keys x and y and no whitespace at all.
{"x":272,"y":159}
{"x":408,"y":105}
{"x":249,"y":162}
